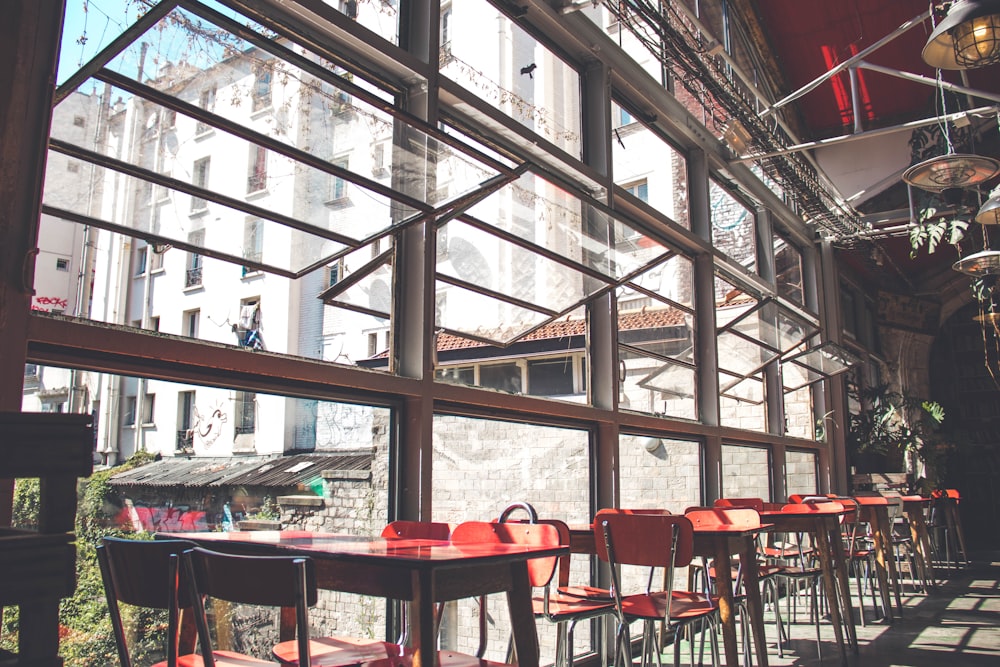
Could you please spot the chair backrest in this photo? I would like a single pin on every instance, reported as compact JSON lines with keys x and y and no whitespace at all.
{"x":752,"y":503}
{"x":417,"y":530}
{"x":741,"y":518}
{"x":540,"y":570}
{"x":818,"y":507}
{"x":643,"y":539}
{"x":275,"y":581}
{"x":143,"y":573}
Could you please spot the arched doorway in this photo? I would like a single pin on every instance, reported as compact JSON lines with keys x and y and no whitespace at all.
{"x":970,"y":394}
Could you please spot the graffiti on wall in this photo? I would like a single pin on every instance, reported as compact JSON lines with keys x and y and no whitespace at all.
{"x":162,"y":518}
{"x":49,"y":303}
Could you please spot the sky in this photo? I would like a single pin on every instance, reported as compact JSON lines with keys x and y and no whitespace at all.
{"x":94,"y":22}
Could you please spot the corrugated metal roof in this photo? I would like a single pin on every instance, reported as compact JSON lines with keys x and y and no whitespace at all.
{"x":279,"y":471}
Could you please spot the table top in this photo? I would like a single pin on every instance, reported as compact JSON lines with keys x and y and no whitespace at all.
{"x":353,"y":547}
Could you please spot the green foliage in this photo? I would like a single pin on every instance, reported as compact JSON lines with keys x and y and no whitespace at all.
{"x":26,"y":504}
{"x":889,"y":421}
{"x":268,"y":511}
{"x":933,"y":232}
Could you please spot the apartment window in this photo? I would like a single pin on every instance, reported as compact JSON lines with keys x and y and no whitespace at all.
{"x":206,"y":100}
{"x":194,"y":260}
{"x":253,"y":242}
{"x":199,"y":178}
{"x":505,"y":377}
{"x":372,"y":344}
{"x":257,"y":169}
{"x":263,"y":74}
{"x":639,"y":190}
{"x":148,"y":403}
{"x":62,"y":264}
{"x":338,"y":186}
{"x":169,"y":119}
{"x":446,"y":28}
{"x":551,"y":377}
{"x":73,"y":167}
{"x":156,"y":259}
{"x":128,"y":411}
{"x":335,"y":273}
{"x":185,"y":420}
{"x":140,"y":259}
{"x":154,"y":323}
{"x":246,"y":412}
{"x":79,"y":121}
{"x":192,"y":320}
{"x":379,"y":169}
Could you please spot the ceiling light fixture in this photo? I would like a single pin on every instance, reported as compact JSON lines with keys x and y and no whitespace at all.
{"x":967,"y":37}
{"x":982,"y":263}
{"x":954,"y":170}
{"x":989,"y":213}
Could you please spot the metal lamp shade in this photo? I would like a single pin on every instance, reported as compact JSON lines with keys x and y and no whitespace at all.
{"x":968,"y":37}
{"x":955,"y":170}
{"x":982,"y":263}
{"x":989,"y":214}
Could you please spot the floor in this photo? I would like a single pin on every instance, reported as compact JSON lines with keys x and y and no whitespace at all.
{"x":957,"y":625}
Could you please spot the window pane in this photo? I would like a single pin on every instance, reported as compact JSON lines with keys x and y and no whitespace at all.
{"x":649,"y":168}
{"x":788,"y":271}
{"x":659,"y":473}
{"x":479,"y":467}
{"x":517,"y":75}
{"x":733,"y":228}
{"x":746,"y":472}
{"x":800,"y":472}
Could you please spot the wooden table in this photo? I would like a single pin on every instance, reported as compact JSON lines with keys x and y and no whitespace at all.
{"x":718,"y":543}
{"x":421,"y":571}
{"x":875,"y":510}
{"x":824,"y":529}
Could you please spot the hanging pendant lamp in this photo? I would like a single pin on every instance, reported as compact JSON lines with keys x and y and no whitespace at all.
{"x":954,"y":170}
{"x":989,"y":213}
{"x":982,"y":263}
{"x":967,"y":37}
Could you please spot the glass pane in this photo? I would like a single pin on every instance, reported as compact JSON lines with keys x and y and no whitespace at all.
{"x":673,"y":280}
{"x":800,"y":472}
{"x":799,"y":421}
{"x":788,"y":271}
{"x":479,"y":467}
{"x":649,"y":168}
{"x":549,"y":362}
{"x":554,"y":219}
{"x":537,"y":279}
{"x":740,"y":355}
{"x":480,"y":316}
{"x":745,"y":472}
{"x":659,"y":473}
{"x":516,"y":74}
{"x":641,"y":50}
{"x":382,"y":17}
{"x":741,"y":403}
{"x":654,"y":386}
{"x":733,"y":227}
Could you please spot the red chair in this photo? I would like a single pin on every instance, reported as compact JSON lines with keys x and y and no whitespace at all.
{"x":652,"y":541}
{"x":565,"y":611}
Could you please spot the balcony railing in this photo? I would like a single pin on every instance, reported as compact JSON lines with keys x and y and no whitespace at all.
{"x":193,"y":277}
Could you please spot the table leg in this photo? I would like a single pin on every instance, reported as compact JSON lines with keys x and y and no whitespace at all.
{"x":880,"y":561}
{"x":727,"y":603}
{"x":921,"y":544}
{"x":422,"y":620}
{"x":843,"y":581}
{"x":521,"y":617}
{"x":890,"y":556}
{"x":824,"y":551}
{"x":755,"y":608}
